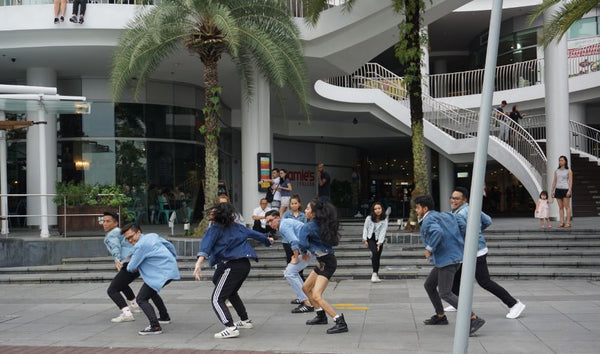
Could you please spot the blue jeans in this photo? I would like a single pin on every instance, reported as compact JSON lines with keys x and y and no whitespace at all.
{"x":292,"y":275}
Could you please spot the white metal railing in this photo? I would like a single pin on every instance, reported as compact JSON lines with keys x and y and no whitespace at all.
{"x":512,"y":76}
{"x":458,"y":123}
{"x":582,"y":138}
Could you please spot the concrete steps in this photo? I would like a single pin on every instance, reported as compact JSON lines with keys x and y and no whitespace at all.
{"x":532,"y":255}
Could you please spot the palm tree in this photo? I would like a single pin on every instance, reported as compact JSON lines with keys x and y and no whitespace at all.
{"x":562,"y":20}
{"x":408,"y":50}
{"x":254,"y":33}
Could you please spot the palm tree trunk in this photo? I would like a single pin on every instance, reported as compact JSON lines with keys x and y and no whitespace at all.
{"x":211,"y":144}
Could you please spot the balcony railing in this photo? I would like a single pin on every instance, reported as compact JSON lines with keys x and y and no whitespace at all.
{"x":582,"y":138}
{"x":457,"y":122}
{"x":512,"y":76}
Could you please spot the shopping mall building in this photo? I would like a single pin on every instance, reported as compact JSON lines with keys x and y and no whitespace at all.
{"x":359,"y":124}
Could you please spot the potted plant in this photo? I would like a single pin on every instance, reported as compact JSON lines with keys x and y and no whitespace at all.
{"x":82,"y":203}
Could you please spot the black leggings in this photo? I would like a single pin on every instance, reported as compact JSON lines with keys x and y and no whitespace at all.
{"x":228,"y":279}
{"x":375,"y":255}
{"x":144,"y":295}
{"x":482,"y":275}
{"x":82,"y":5}
{"x":120,"y":283}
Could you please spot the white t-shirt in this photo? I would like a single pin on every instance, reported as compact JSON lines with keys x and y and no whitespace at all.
{"x":277,"y":194}
{"x":258,"y":211}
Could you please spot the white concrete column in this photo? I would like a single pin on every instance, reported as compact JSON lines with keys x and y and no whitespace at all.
{"x":41,"y":77}
{"x":557,"y":104}
{"x":446,"y":176}
{"x":577,"y":112}
{"x":3,"y":177}
{"x":428,"y":157}
{"x":256,"y":138}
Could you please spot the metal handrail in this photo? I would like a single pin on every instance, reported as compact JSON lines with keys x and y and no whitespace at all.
{"x":511,"y":76}
{"x":583,"y":138}
{"x":459,"y":123}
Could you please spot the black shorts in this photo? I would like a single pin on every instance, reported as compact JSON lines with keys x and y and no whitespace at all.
{"x":560,"y":193}
{"x":327,"y":265}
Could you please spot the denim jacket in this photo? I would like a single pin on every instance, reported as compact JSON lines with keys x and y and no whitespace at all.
{"x":442,"y":235}
{"x":221,"y":244}
{"x":117,"y":245}
{"x":378,"y":228}
{"x":156,"y":260}
{"x":289,"y":230}
{"x":486,"y":221}
{"x":310,"y":240}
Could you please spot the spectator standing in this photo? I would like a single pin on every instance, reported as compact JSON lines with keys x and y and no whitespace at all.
{"x":324,"y":180}
{"x":295,"y":213}
{"x":504,"y":129}
{"x":541,"y":210}
{"x":285,"y":187}
{"x":562,"y":187}
{"x":374,"y":236}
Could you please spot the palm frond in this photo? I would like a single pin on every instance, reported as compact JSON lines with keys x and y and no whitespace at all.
{"x":313,"y":9}
{"x":563,"y":19}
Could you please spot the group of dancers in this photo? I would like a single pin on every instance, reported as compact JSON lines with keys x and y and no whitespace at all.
{"x":225,"y":244}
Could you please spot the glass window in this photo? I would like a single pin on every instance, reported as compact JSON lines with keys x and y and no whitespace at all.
{"x":507,"y":44}
{"x":585,"y":27}
{"x":526,"y":38}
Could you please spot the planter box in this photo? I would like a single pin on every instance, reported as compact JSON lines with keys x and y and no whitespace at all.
{"x":79,"y":219}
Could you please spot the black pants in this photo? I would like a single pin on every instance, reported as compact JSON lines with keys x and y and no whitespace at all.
{"x":146,"y":293}
{"x":482,"y":275}
{"x":375,"y":255}
{"x":120,"y":283}
{"x":288,"y":257}
{"x":82,"y":5}
{"x":228,"y":279}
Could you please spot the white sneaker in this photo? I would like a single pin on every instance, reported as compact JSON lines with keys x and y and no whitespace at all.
{"x":449,"y":308}
{"x":123,"y":318}
{"x":516,"y":310}
{"x":375,"y":278}
{"x":135,"y":308}
{"x":228,"y":332}
{"x":244,"y":324}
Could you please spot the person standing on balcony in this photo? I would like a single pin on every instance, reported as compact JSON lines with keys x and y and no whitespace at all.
{"x":459,"y":202}
{"x":121,"y":251}
{"x":81,"y":4}
{"x":374,"y":236}
{"x":504,"y":128}
{"x":60,"y":8}
{"x":562,"y":189}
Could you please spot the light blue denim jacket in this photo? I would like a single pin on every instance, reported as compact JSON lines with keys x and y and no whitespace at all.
{"x":155,"y":259}
{"x":289,"y":230}
{"x":442,"y":235}
{"x":309,"y":239}
{"x":486,"y":221}
{"x":117,"y":245}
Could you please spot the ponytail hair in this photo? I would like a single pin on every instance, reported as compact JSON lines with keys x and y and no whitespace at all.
{"x":325,"y":215}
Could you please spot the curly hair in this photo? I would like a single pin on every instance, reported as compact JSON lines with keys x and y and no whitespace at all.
{"x":325,"y":215}
{"x":223,"y":214}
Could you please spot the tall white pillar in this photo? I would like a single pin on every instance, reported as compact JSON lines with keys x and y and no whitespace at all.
{"x":556,"y":86}
{"x":446,"y":176}
{"x":3,"y":177}
{"x":256,"y":138}
{"x":41,"y":77}
{"x":428,"y":157}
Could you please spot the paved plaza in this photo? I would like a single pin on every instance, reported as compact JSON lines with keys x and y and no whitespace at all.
{"x":562,"y":316}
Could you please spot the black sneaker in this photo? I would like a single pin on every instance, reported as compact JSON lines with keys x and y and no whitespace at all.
{"x":436,"y":320}
{"x":62,"y":19}
{"x":56,"y":20}
{"x":81,"y":20}
{"x":340,"y":326}
{"x":150,"y":330}
{"x":296,"y":302}
{"x":165,"y":320}
{"x":73,"y":19}
{"x":303,"y":309}
{"x":321,"y":318}
{"x":476,"y":323}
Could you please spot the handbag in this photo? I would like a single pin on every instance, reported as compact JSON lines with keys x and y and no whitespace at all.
{"x":269,"y":196}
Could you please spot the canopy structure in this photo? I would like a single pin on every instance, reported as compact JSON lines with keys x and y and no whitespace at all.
{"x":40,"y":100}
